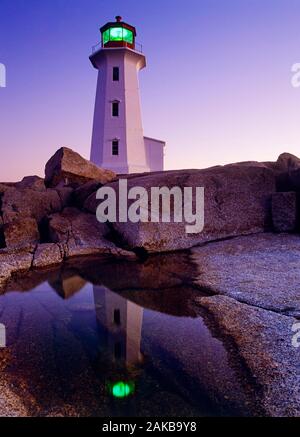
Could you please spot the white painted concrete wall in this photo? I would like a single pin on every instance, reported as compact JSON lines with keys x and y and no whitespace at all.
{"x":154,"y":153}
{"x":127,"y":128}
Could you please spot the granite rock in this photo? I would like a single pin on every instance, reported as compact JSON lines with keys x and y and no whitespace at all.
{"x":14,"y":261}
{"x":236,"y":202}
{"x":47,"y":255}
{"x":67,"y":167}
{"x":260,"y":270}
{"x":284,"y":211}
{"x":264,"y":341}
{"x":81,"y":234}
{"x":32,"y":182}
{"x":21,"y":232}
{"x":27,"y":202}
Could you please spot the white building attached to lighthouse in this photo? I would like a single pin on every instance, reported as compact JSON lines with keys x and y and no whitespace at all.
{"x":118,"y":141}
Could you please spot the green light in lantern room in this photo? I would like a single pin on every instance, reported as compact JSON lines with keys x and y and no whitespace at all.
{"x":122,"y":389}
{"x":106,"y":36}
{"x":118,"y":34}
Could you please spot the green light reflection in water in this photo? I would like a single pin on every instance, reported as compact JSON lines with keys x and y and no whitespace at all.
{"x":122,"y":389}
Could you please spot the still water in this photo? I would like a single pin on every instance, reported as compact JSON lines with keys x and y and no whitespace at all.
{"x":105,"y":338}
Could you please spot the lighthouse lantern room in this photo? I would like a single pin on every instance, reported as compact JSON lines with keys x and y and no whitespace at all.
{"x":118,"y":34}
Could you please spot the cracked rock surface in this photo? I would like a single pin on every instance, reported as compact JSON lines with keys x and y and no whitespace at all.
{"x":264,"y":340}
{"x":80,"y":233}
{"x":261,"y":270}
{"x":254,"y":282}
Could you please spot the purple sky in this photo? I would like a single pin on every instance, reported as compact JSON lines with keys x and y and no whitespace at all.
{"x":217,"y":86}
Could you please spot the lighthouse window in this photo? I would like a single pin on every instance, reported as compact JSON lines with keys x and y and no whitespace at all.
{"x":116,"y":74}
{"x":115,"y":109}
{"x":117,"y":317}
{"x":115,"y":148}
{"x":118,"y":351}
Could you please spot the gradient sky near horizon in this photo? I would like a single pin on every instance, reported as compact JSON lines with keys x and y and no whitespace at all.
{"x":217,"y":86}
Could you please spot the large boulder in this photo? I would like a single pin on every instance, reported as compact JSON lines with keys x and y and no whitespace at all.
{"x":286,"y":163}
{"x":23,"y":207}
{"x":261,"y":270}
{"x":263,"y":340}
{"x":21,"y":232}
{"x":65,"y":195}
{"x":47,"y":255}
{"x":287,"y":168}
{"x":80,"y":234}
{"x":84,"y":191}
{"x":14,"y":261}
{"x":67,"y":167}
{"x":237,"y":202}
{"x":20,"y":203}
{"x":252,"y":164}
{"x":289,"y":181}
{"x":32,"y":182}
{"x":284,"y":211}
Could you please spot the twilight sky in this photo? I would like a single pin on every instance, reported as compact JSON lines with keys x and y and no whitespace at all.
{"x":217,"y":86}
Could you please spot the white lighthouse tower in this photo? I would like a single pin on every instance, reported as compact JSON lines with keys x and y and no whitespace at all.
{"x":118,"y":142}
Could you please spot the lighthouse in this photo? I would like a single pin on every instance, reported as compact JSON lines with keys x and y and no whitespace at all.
{"x":118,"y":141}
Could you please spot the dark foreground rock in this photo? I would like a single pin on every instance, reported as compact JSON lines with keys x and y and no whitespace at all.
{"x":260,"y":270}
{"x":254,"y":282}
{"x":14,"y":261}
{"x":19,"y":232}
{"x":18,"y":261}
{"x":23,"y":207}
{"x":287,"y":172}
{"x":264,"y":341}
{"x":18,"y":203}
{"x":284,"y":211}
{"x":81,"y":234}
{"x":31,"y":182}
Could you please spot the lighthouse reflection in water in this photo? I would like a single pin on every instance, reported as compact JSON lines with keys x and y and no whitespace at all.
{"x":120,"y":327}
